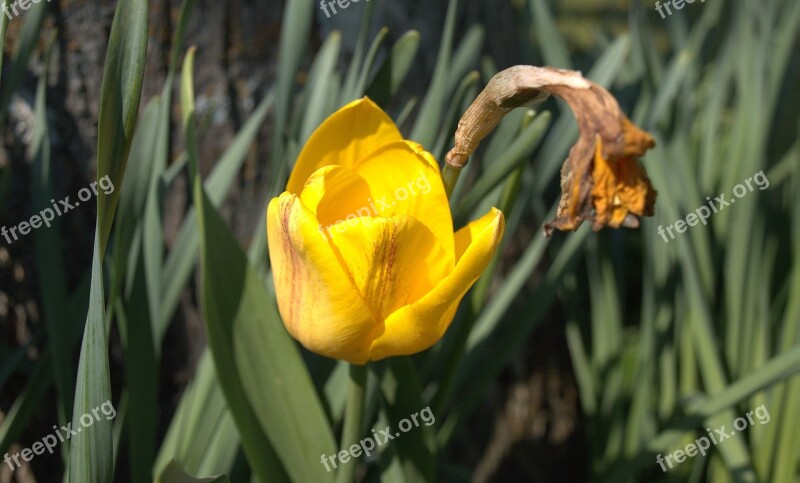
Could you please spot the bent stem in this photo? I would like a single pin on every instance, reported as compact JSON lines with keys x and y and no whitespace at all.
{"x":354,"y":413}
{"x":514,"y":87}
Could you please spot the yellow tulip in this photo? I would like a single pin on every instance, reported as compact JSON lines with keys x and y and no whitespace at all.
{"x":364,"y":258}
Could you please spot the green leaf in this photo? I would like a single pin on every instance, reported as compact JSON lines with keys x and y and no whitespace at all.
{"x":177,"y":41}
{"x":369,"y":61}
{"x":295,"y":28}
{"x":348,"y":92}
{"x":119,"y":104}
{"x":92,"y":451}
{"x":3,"y":27}
{"x":18,"y":416}
{"x":426,"y":128}
{"x":173,"y":473}
{"x":516,"y":154}
{"x":320,"y":103}
{"x":32,"y":26}
{"x":490,"y":345}
{"x":551,"y":42}
{"x":464,"y":94}
{"x":134,"y":190}
{"x":49,"y":260}
{"x":401,"y":389}
{"x":141,"y":363}
{"x":262,"y":374}
{"x":202,"y":436}
{"x":265,"y":381}
{"x":16,"y":419}
{"x":465,"y":57}
{"x":394,"y":69}
{"x":701,"y":409}
{"x":180,"y":261}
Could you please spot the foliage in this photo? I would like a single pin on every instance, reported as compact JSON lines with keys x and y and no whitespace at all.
{"x":665,"y":338}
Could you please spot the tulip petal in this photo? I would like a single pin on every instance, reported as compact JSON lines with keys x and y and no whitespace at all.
{"x":316,"y":297}
{"x":346,"y":137}
{"x":405,"y":180}
{"x":333,"y":193}
{"x":418,"y":326}
{"x":392,"y":261}
{"x":419,"y":149}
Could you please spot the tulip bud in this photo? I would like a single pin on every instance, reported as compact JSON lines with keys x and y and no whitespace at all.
{"x":364,"y":257}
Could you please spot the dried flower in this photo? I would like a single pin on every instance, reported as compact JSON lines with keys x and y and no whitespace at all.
{"x":601,"y":179}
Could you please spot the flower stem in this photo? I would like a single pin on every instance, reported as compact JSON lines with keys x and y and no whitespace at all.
{"x":450,"y":175}
{"x":353,"y":416}
{"x":454,"y":355}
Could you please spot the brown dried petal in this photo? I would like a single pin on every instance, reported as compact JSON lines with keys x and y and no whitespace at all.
{"x":601,"y":179}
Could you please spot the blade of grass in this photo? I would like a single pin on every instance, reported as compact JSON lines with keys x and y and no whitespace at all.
{"x":53,"y":287}
{"x":134,"y":194}
{"x":119,"y":104}
{"x":141,"y":363}
{"x":295,"y":28}
{"x":429,"y":118}
{"x":320,"y":105}
{"x":202,"y":436}
{"x":787,"y":445}
{"x":348,"y":88}
{"x":465,"y":57}
{"x":551,"y":42}
{"x":465,"y":91}
{"x":484,"y":361}
{"x":369,"y":62}
{"x":18,"y":416}
{"x":264,"y":379}
{"x":517,"y":153}
{"x":394,"y":69}
{"x":92,"y":451}
{"x":700,"y":410}
{"x":31,"y":28}
{"x":180,"y":261}
{"x":267,"y":387}
{"x":173,"y":473}
{"x":3,"y":27}
{"x":187,"y":6}
{"x":401,"y":389}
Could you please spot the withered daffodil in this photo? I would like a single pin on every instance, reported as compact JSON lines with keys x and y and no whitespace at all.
{"x":602,"y":180}
{"x":364,"y":258}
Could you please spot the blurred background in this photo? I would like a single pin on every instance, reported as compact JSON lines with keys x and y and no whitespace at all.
{"x":584,"y":355}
